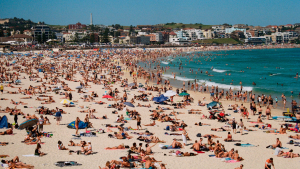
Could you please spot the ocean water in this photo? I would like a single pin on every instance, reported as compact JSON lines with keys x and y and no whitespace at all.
{"x":273,"y":70}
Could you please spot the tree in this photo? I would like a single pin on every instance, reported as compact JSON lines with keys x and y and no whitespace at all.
{"x":105,"y":36}
{"x":1,"y":33}
{"x":200,"y":26}
{"x":182,"y":26}
{"x":130,"y":29}
{"x":39,"y":38}
{"x":116,"y":40}
{"x":44,"y":38}
{"x":92,"y":38}
{"x":75,"y":38}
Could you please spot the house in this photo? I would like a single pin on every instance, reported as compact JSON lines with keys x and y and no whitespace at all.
{"x":77,"y":26}
{"x":184,"y":35}
{"x":165,"y":36}
{"x":22,"y":38}
{"x":142,"y":39}
{"x":178,"y":41}
{"x":288,"y":26}
{"x":152,"y":37}
{"x":172,"y":35}
{"x":232,"y":29}
{"x":59,"y":36}
{"x":129,"y":40}
{"x":27,"y":32}
{"x":158,"y":37}
{"x":208,"y":34}
{"x":67,"y":37}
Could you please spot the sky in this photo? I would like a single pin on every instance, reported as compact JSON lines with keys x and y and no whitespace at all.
{"x":142,"y":12}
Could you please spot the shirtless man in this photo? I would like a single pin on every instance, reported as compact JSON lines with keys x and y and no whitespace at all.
{"x":176,"y":144}
{"x":138,"y":123}
{"x":278,"y":144}
{"x":148,"y":148}
{"x":196,"y":146}
{"x":151,"y":124}
{"x":8,"y":131}
{"x":76,"y":124}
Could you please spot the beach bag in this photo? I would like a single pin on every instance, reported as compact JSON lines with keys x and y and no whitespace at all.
{"x":110,"y":135}
{"x":238,"y":144}
{"x":168,"y":128}
{"x":198,"y":135}
{"x":291,"y":142}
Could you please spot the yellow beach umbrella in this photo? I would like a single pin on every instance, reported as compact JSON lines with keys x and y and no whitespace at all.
{"x":65,"y":101}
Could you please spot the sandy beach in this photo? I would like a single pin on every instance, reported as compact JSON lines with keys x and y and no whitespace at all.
{"x":254,"y":157}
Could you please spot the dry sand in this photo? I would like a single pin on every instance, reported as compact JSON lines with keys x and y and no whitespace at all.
{"x":255,"y":157}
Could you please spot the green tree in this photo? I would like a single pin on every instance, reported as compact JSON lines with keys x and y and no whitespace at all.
{"x":105,"y":36}
{"x":182,"y":26}
{"x":130,"y":29}
{"x":75,"y":38}
{"x":1,"y":33}
{"x":92,"y":38}
{"x":39,"y":38}
{"x":44,"y":38}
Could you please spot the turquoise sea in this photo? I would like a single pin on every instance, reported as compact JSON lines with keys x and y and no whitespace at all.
{"x":273,"y":70}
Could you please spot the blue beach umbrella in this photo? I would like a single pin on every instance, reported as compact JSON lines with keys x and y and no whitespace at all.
{"x":129,"y":104}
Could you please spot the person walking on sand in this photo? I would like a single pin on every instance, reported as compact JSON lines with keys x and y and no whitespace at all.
{"x":76,"y":124}
{"x":184,"y":134}
{"x":269,"y":163}
{"x":58,"y":116}
{"x":138,"y":123}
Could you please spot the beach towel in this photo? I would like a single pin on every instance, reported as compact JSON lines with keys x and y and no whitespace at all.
{"x":199,"y":152}
{"x":245,"y":145}
{"x":30,"y":155}
{"x":166,"y":147}
{"x":66,"y":163}
{"x":212,"y":155}
{"x":234,"y":141}
{"x":3,"y":122}
{"x":231,"y":161}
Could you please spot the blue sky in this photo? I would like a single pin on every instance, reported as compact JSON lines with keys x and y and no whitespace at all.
{"x":134,"y":12}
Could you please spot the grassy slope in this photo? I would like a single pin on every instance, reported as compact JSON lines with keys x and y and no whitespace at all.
{"x":188,"y":26}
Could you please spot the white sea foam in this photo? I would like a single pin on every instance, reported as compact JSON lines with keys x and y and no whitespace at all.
{"x":275,"y":74}
{"x":164,"y":62}
{"x":219,"y":71}
{"x":225,"y":86}
{"x":183,"y":78}
{"x":167,"y":76}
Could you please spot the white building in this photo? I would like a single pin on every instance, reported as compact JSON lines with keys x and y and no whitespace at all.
{"x":195,"y":34}
{"x":232,"y":29}
{"x":178,"y":41}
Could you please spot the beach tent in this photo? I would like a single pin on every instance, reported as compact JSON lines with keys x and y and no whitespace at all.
{"x":28,"y":123}
{"x":183,"y":94}
{"x":161,"y":98}
{"x":170,"y":93}
{"x":129,"y":104}
{"x":3,"y":122}
{"x":81,"y":125}
{"x":212,"y":104}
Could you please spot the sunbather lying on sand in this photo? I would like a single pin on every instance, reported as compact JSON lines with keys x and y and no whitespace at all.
{"x":295,"y":137}
{"x":121,"y":146}
{"x":211,"y":135}
{"x":289,"y":154}
{"x":16,"y":163}
{"x":7,"y":132}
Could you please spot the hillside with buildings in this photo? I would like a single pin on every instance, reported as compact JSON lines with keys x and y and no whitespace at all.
{"x":26,"y":32}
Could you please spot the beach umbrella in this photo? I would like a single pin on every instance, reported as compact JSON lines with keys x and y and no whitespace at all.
{"x":129,"y":104}
{"x":28,"y":123}
{"x":131,"y":84}
{"x":107,"y":96}
{"x":183,"y":94}
{"x":65,"y":101}
{"x":55,"y":89}
{"x":170,"y":93}
{"x":18,"y":81}
{"x":79,"y":87}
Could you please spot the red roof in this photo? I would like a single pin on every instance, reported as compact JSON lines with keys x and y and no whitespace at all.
{"x":172,"y":33}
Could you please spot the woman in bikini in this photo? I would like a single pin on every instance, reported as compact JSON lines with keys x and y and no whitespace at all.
{"x":229,"y":137}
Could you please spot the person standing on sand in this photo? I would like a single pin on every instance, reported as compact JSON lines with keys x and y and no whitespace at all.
{"x":76,"y":124}
{"x":58,"y":116}
{"x":70,"y":96}
{"x":241,"y":125}
{"x":184,"y":134}
{"x":138,"y":124}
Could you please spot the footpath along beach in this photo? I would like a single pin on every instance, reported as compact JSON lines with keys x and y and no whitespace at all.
{"x":91,"y":85}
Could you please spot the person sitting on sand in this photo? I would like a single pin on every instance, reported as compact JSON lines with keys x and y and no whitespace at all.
{"x":229,"y":137}
{"x":60,"y":146}
{"x":241,"y":166}
{"x":176,"y":144}
{"x":37,"y":151}
{"x":7,"y":132}
{"x":278,"y":144}
{"x":121,"y":146}
{"x":237,"y":157}
{"x":196,"y":146}
{"x":35,"y":140}
{"x":289,"y":154}
{"x":87,"y":150}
